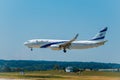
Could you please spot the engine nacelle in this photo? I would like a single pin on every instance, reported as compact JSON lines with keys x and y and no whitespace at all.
{"x":55,"y":47}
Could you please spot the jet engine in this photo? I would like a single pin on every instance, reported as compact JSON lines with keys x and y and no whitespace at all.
{"x":55,"y":47}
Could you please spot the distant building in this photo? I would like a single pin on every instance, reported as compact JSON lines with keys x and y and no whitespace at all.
{"x":110,"y":70}
{"x":22,"y":72}
{"x":69,"y":69}
{"x":73,"y":69}
{"x":87,"y":69}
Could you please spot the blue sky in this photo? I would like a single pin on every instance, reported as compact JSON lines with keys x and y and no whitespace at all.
{"x":21,"y":20}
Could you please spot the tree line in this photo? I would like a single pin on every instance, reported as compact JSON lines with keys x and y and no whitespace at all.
{"x":30,"y":65}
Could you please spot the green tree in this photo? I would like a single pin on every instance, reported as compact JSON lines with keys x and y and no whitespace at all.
{"x":56,"y":67}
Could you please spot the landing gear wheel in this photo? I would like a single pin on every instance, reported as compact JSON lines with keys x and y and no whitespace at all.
{"x":31,"y":49}
{"x":64,"y":50}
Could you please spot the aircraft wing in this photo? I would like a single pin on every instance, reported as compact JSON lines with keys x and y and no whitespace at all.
{"x":67,"y":44}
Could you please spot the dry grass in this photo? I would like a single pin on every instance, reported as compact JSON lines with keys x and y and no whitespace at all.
{"x":60,"y":75}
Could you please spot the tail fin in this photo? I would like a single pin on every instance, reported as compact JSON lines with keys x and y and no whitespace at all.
{"x":100,"y":35}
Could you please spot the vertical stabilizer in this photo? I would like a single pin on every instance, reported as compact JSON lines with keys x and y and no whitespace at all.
{"x":100,"y":35}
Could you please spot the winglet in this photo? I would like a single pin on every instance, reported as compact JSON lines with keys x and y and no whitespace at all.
{"x":73,"y":39}
{"x":76,"y":36}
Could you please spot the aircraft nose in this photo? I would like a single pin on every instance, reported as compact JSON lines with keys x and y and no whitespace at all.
{"x":25,"y":43}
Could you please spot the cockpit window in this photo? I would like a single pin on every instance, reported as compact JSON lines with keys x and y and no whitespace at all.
{"x":28,"y":41}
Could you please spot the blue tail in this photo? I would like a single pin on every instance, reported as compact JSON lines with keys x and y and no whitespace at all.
{"x":100,"y":35}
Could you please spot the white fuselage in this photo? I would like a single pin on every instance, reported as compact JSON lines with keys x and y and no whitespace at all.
{"x":96,"y":41}
{"x":53,"y":44}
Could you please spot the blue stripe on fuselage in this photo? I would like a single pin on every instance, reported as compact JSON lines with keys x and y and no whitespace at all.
{"x":49,"y":44}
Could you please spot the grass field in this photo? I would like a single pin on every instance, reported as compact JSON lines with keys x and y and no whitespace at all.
{"x":61,"y":75}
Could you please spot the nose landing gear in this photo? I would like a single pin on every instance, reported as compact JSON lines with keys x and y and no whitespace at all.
{"x":31,"y":49}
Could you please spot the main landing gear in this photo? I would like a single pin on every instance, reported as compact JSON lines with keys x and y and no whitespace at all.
{"x":64,"y":50}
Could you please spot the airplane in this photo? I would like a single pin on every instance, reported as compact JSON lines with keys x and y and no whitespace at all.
{"x":96,"y":41}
